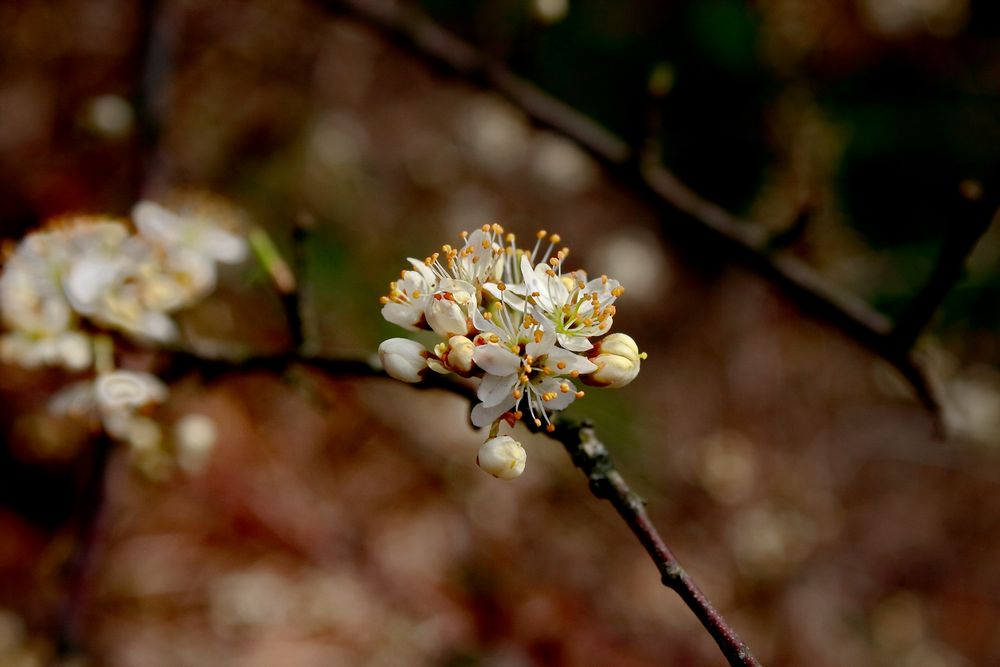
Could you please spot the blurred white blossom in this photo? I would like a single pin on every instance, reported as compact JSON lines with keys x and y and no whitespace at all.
{"x":66,"y":287}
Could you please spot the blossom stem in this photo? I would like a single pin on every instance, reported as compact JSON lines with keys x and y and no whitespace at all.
{"x":588,"y":454}
{"x":591,"y":456}
{"x":104,"y":354}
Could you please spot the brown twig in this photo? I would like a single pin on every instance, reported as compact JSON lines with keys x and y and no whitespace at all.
{"x":591,"y":456}
{"x":86,"y":527}
{"x":580,"y":441}
{"x":688,"y":212}
{"x":974,"y":212}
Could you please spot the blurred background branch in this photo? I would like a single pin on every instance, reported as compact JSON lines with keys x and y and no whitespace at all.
{"x":743,"y":240}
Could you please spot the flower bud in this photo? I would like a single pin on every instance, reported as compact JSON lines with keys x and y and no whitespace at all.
{"x":502,"y":456}
{"x":617,"y":358}
{"x":460,"y":351}
{"x":403,"y":359}
{"x":446,"y":317}
{"x":126,"y":390}
{"x":195,"y":436}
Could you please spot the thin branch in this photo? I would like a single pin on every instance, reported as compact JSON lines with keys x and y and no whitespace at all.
{"x":581,"y":443}
{"x":86,"y":525}
{"x":150,"y":64}
{"x":974,"y":214}
{"x":689,"y":213}
{"x":151,"y":70}
{"x":591,"y":456}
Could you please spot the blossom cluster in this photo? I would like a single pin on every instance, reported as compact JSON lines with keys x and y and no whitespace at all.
{"x":517,"y":321}
{"x":66,"y":287}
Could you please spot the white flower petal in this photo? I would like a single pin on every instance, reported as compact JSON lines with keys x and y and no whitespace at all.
{"x":495,"y":388}
{"x":562,"y":399}
{"x":88,"y":279}
{"x":496,"y":360}
{"x":486,"y":326}
{"x":574,"y":343}
{"x":572,"y":362}
{"x":406,"y":315}
{"x":157,"y":223}
{"x":483,"y":416}
{"x":223,"y":246}
{"x":424,"y":271}
{"x":446,"y":318}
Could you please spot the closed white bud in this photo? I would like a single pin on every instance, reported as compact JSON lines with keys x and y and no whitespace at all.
{"x":446,"y":318}
{"x":617,"y":358}
{"x":503,"y":457}
{"x":403,"y":359}
{"x":460,"y":351}
{"x":195,"y":436}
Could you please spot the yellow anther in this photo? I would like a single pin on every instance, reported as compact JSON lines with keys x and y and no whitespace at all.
{"x":555,"y":238}
{"x":523,"y":378}
{"x":550,"y":428}
{"x":561,"y":365}
{"x":486,"y":228}
{"x":416,"y":294}
{"x":536,"y":294}
{"x":540,"y":234}
{"x":564,"y":387}
{"x":618,"y":291}
{"x":550,"y":273}
{"x":517,"y":394}
{"x":538,"y":336}
{"x":488,"y":315}
{"x":604,"y":279}
{"x":383,"y":300}
{"x":554,"y":261}
{"x":501,"y":286}
{"x":574,"y":374}
{"x":538,"y":422}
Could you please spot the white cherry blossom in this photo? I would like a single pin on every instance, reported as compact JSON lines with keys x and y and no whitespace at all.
{"x":514,"y":320}
{"x":196,"y":230}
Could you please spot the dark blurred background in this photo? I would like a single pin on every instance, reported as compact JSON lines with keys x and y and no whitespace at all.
{"x":345,"y":522}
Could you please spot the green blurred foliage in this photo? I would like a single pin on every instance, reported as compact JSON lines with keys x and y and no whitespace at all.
{"x":911,"y":98}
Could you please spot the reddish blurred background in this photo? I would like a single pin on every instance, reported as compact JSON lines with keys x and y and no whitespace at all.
{"x":344,"y":522}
